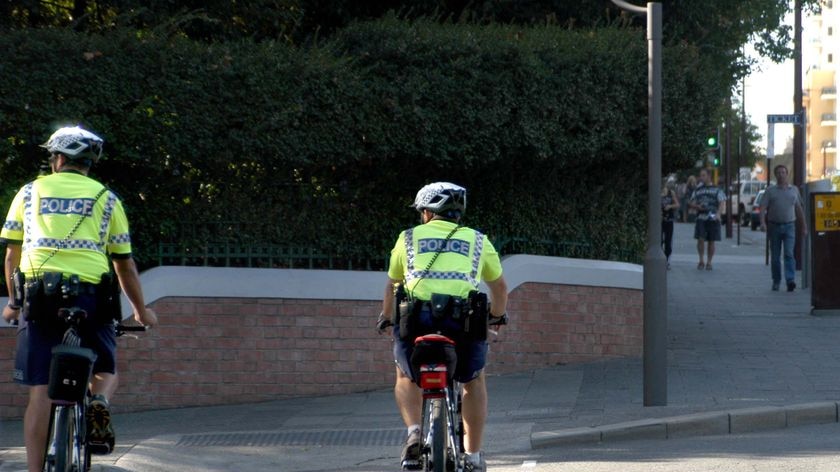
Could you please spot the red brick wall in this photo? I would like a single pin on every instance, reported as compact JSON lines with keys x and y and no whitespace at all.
{"x":210,"y":351}
{"x":562,"y":324}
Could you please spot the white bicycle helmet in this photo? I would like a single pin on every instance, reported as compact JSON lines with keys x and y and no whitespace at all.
{"x":75,"y":143}
{"x":442,"y":198}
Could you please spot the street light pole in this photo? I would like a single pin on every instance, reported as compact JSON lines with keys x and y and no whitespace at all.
{"x":655,"y":282}
{"x":798,"y":130}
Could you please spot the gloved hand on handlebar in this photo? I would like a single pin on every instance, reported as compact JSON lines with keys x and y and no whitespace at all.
{"x":10,"y":313}
{"x":383,"y":323}
{"x":495,"y":323}
{"x":498,"y":320}
{"x":147,"y":317}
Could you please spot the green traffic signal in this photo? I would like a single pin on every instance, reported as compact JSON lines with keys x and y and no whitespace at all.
{"x":717,"y":161}
{"x":712,"y":141}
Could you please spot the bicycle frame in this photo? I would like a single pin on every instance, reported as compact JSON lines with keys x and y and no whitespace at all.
{"x":67,"y":452}
{"x":67,"y":447}
{"x":442,"y":429}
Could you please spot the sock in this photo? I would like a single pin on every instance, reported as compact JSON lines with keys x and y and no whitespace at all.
{"x":474,"y":457}
{"x":100,"y":398}
{"x":413,"y":428}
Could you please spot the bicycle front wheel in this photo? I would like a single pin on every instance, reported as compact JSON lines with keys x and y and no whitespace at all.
{"x":439,"y":435}
{"x":65,"y":431}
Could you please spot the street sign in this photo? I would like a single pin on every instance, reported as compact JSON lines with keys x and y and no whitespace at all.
{"x":795,"y":119}
{"x":827,"y":212}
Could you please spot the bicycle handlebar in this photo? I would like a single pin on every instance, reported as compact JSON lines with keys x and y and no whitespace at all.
{"x":122,"y":329}
{"x":498,"y":320}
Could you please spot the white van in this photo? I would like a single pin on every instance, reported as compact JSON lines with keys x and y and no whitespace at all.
{"x":742,"y":200}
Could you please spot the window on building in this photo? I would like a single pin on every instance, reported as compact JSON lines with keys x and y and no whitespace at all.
{"x":829,"y":4}
{"x":830,"y":58}
{"x":830,"y":30}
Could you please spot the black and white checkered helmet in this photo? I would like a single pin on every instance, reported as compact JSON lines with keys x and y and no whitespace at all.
{"x":75,"y":143}
{"x":442,"y":198}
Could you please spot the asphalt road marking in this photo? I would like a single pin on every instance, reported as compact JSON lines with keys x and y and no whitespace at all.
{"x":529,"y":464}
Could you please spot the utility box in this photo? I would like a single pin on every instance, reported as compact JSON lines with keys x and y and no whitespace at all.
{"x":825,"y":252}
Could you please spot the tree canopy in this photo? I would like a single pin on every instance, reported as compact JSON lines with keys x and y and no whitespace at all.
{"x":268,"y":122}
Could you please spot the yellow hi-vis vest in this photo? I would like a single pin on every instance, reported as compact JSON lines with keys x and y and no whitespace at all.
{"x":465,"y":259}
{"x":44,"y":212}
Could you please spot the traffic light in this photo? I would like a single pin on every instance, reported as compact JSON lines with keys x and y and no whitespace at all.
{"x":711,"y":142}
{"x":713,"y":139}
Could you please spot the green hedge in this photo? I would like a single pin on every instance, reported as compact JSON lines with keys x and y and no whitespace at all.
{"x":323,"y":147}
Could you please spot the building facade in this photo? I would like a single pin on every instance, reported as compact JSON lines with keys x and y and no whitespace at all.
{"x":821,"y":51}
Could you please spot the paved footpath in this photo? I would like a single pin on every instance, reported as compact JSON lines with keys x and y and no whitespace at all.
{"x":740,"y":358}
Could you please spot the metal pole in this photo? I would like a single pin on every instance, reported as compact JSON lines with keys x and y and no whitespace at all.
{"x":655,"y":282}
{"x":655,"y":288}
{"x":798,"y":131}
{"x":798,"y":148}
{"x":727,"y":144}
{"x":742,"y":149}
{"x":770,"y":128}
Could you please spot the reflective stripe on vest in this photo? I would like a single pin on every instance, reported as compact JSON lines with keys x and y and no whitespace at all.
{"x":106,"y":218}
{"x":412,"y":273}
{"x":27,"y":211}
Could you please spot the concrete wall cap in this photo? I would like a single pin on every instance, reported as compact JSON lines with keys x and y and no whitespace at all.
{"x":184,"y":281}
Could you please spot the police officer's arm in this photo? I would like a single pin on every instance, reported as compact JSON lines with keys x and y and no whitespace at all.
{"x":126,"y":271}
{"x":498,"y":296}
{"x":396,"y":272}
{"x":11,"y":262}
{"x":388,"y":298}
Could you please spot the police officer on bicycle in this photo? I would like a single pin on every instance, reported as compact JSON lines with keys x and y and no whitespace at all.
{"x":442,"y":258}
{"x":60,"y":231}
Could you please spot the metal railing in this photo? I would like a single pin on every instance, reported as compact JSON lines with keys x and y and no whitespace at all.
{"x":229,"y":254}
{"x":265,"y":256}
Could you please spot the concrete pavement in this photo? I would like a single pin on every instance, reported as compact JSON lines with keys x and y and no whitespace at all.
{"x":740,"y":358}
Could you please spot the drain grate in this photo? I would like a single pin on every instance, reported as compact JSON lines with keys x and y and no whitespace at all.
{"x":379,"y":437}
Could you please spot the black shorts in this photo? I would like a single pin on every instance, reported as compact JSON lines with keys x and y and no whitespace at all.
{"x":707,"y":230}
{"x":472,"y":354}
{"x":36,"y":340}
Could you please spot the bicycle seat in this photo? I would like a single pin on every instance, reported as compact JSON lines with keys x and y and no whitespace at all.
{"x":433,"y":338}
{"x":433,"y":349}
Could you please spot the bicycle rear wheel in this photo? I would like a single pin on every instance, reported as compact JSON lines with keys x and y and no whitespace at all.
{"x":65,"y":432}
{"x":439,"y":434}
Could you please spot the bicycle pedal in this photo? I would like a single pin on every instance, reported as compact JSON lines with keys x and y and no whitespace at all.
{"x":411,"y":465}
{"x":100,"y":448}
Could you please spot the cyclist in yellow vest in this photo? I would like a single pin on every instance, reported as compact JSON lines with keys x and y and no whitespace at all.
{"x":442,"y":257}
{"x":69,"y":224}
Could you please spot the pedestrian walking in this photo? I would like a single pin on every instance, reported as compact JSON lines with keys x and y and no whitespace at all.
{"x":780,"y":208}
{"x":707,"y":200}
{"x":670,"y":203}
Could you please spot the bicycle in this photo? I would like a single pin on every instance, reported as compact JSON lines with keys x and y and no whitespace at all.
{"x":442,"y":427}
{"x":67,"y":448}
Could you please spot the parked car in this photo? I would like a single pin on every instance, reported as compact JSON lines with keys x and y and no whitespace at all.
{"x":755,"y":213}
{"x":743,"y":205}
